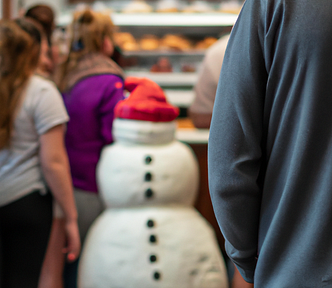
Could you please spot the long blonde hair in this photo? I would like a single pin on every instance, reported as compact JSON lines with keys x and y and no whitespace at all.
{"x":19,"y":53}
{"x":88,"y":31}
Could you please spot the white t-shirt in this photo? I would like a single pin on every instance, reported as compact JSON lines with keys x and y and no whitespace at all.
{"x":41,"y":109}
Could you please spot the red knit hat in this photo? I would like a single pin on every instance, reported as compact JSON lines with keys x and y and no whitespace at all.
{"x":146,"y":102}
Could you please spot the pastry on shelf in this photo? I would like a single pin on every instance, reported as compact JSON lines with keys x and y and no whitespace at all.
{"x":149,"y":42}
{"x":198,"y":7}
{"x":231,"y":6}
{"x":188,"y":67}
{"x":167,"y":6}
{"x":175,"y":42}
{"x":101,"y":7}
{"x":205,"y":43}
{"x":137,"y":6}
{"x":163,"y":65}
{"x":130,"y":46}
{"x":126,"y":41}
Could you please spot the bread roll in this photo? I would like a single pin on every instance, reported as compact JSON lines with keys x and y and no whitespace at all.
{"x":137,"y":6}
{"x":230,"y":7}
{"x":206,"y":43}
{"x":126,"y":41}
{"x":175,"y":42}
{"x":163,"y":65}
{"x":198,"y":7}
{"x":167,"y":6}
{"x":149,"y":42}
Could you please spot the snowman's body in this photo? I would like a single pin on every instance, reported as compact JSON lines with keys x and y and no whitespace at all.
{"x":150,"y":235}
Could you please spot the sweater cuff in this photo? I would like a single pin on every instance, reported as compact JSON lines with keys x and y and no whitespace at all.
{"x":245,"y":261}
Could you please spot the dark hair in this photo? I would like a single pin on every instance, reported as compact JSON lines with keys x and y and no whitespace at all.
{"x":30,"y":28}
{"x":44,"y":15}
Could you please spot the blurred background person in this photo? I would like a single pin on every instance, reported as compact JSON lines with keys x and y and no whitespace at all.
{"x":32,"y":149}
{"x":44,"y":15}
{"x":91,"y":84}
{"x":200,"y":111}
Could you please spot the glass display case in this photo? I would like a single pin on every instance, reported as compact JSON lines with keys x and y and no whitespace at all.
{"x":167,"y":46}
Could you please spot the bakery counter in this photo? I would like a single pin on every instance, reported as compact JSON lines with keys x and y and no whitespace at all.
{"x":168,"y":79}
{"x":192,"y":135}
{"x":186,"y":132}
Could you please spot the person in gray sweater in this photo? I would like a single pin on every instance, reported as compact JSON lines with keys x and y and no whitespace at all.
{"x":270,"y":145}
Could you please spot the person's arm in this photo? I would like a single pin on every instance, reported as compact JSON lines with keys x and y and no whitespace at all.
{"x":55,"y":167}
{"x":236,"y":135}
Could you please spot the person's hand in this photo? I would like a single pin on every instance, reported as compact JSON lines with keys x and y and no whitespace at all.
{"x":73,"y":240}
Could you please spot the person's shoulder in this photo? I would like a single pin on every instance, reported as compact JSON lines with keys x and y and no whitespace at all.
{"x":108,"y":76}
{"x":215,"y":54}
{"x":40,"y":83}
{"x":220,"y":45}
{"x":38,"y":87}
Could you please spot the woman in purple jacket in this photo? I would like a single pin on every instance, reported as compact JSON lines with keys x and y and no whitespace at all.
{"x":91,"y":84}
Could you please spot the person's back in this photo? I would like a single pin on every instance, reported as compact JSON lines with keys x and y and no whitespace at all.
{"x":270,"y":144}
{"x":90,"y":104}
{"x":91,"y":85}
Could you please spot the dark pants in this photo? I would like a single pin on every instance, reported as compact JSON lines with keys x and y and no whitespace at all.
{"x":24,"y":232}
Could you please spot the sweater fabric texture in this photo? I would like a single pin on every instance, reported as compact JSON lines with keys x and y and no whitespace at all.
{"x":270,"y":145}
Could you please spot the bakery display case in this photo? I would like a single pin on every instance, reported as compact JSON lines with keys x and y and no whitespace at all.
{"x":165,"y":40}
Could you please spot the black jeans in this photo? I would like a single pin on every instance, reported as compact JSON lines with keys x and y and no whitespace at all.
{"x":25,"y":227}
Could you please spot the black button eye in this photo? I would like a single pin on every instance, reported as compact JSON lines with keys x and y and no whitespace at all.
{"x":148,"y":159}
{"x":153,"y":239}
{"x":156,"y":275}
{"x":153,"y":258}
{"x":148,"y":177}
{"x":150,"y":223}
{"x":149,"y":193}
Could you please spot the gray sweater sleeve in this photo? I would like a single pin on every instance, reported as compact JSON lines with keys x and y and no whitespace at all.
{"x":234,"y":149}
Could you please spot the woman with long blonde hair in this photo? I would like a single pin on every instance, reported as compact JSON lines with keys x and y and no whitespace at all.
{"x":91,"y":84}
{"x":32,"y":158}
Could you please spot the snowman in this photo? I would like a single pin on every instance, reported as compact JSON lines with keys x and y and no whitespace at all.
{"x":150,"y":235}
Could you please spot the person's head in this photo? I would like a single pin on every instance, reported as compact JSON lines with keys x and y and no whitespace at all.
{"x":19,"y":56}
{"x":92,"y":32}
{"x":45,"y":64}
{"x":44,"y":15}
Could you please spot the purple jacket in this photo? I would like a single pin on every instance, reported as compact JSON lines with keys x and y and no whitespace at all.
{"x":90,"y":105}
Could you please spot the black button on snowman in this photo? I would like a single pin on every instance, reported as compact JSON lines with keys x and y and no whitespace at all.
{"x":150,"y":235}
